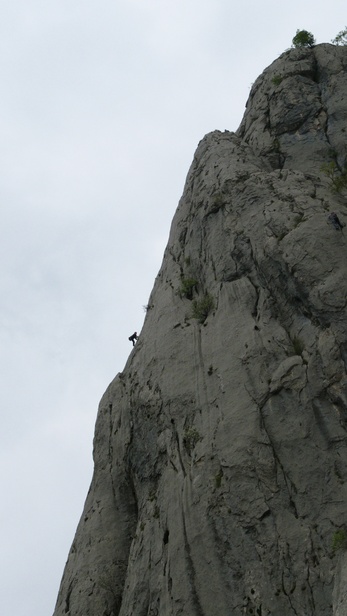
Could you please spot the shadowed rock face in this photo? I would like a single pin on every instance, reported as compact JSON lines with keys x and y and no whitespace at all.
{"x":220,"y":451}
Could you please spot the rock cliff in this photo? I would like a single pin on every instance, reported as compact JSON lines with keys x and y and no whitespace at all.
{"x":220,"y":451}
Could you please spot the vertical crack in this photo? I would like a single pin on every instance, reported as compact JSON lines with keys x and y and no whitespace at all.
{"x":191,"y":572}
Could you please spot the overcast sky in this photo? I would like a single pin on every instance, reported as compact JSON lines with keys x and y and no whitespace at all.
{"x":103,"y":103}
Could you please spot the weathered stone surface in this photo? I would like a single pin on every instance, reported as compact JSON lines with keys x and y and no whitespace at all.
{"x":296,"y":115}
{"x":220,"y":451}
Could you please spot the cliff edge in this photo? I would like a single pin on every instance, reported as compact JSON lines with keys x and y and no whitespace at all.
{"x":220,"y":451}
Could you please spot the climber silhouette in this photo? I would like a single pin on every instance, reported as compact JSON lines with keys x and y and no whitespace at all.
{"x":335,"y":221}
{"x":133,"y":338}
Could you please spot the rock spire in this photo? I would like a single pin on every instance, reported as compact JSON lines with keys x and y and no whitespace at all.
{"x":220,"y":451}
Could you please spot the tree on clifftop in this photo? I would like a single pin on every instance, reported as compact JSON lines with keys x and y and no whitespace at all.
{"x":303,"y":38}
{"x":340,"y":38}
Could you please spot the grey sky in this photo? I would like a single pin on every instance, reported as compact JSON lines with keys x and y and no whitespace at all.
{"x":102,"y":107}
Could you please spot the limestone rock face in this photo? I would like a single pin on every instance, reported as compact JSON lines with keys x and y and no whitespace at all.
{"x":220,"y":451}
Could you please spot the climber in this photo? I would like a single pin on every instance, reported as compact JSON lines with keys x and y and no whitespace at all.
{"x":335,"y":221}
{"x":133,"y":338}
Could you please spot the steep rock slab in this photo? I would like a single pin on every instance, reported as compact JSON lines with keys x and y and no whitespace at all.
{"x":220,"y":451}
{"x":297,"y":110}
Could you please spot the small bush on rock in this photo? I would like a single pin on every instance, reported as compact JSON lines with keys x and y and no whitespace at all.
{"x":303,"y":38}
{"x":338,"y":179}
{"x":218,"y":478}
{"x":340,"y":540}
{"x":218,"y":202}
{"x":298,"y":345}
{"x":188,"y":285}
{"x":276,"y":80}
{"x":190,"y":438}
{"x":202,"y":307}
{"x":340,"y":38}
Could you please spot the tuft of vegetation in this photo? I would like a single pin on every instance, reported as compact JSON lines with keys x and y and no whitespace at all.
{"x":329,"y":169}
{"x":339,"y":540}
{"x":188,"y":286}
{"x":337,"y":178}
{"x":190,"y":438}
{"x":340,"y":38}
{"x":218,"y":478}
{"x":276,"y":145}
{"x":298,"y":345}
{"x":298,"y":219}
{"x":218,"y":202}
{"x":202,"y":307}
{"x":277,"y":79}
{"x":303,"y":38}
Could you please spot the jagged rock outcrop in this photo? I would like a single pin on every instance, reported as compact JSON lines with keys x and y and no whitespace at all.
{"x":220,"y":451}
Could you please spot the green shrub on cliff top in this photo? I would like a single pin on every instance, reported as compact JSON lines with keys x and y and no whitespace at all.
{"x":340,"y":38}
{"x":303,"y":38}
